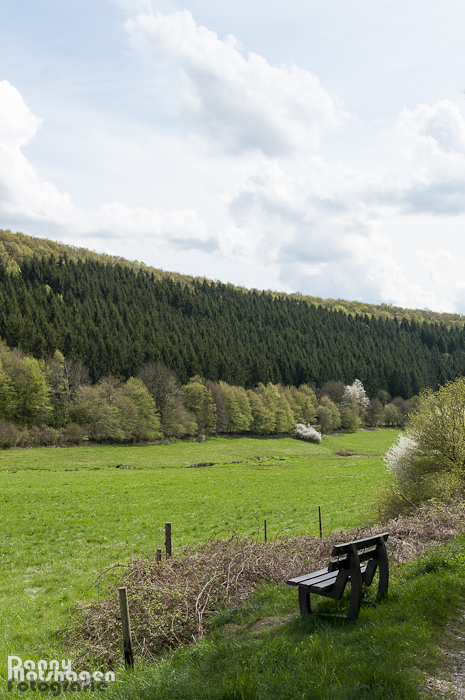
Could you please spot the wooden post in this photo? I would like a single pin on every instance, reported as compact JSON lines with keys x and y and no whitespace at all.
{"x":319,"y":520}
{"x":265,"y":531}
{"x":158,"y":555}
{"x":168,"y":539}
{"x":127,"y":642}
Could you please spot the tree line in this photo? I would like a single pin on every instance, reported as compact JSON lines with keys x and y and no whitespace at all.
{"x":52,"y":401}
{"x":114,"y":319}
{"x":15,"y":248}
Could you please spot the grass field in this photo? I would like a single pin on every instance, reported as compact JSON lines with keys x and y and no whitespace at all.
{"x":67,"y":513}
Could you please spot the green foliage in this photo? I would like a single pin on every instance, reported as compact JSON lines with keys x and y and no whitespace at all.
{"x":199,"y":401}
{"x":429,"y":460}
{"x":165,"y":388}
{"x":94,"y":410}
{"x":350,"y":417}
{"x":6,"y":393}
{"x":237,"y":407}
{"x":115,"y":316}
{"x":387,"y":655}
{"x":392,"y":416}
{"x":141,"y":417}
{"x":263,"y":419}
{"x":438,"y":428}
{"x":329,"y":415}
{"x":303,"y":403}
{"x":24,"y":393}
{"x":375,"y":413}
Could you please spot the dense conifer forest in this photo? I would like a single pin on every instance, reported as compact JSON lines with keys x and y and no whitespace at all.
{"x":114,"y":318}
{"x":95,"y":347}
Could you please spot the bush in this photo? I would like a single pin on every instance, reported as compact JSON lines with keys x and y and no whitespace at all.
{"x":429,"y":460}
{"x":10,"y":435}
{"x":44,"y":436}
{"x":74,"y":434}
{"x":307,"y":432}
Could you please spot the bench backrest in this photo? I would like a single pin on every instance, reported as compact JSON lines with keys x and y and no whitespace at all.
{"x":340,"y":549}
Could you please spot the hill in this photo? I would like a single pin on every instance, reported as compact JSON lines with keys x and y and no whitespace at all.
{"x":15,"y":248}
{"x":114,"y":316}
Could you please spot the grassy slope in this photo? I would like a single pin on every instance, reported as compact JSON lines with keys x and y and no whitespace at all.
{"x":383,"y":656}
{"x":61,"y":527}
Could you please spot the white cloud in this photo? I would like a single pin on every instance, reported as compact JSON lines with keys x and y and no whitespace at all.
{"x":243,"y":103}
{"x":17,"y":124}
{"x":179,"y":229}
{"x":26,"y":197}
{"x":430,"y":173}
{"x":22,"y":192}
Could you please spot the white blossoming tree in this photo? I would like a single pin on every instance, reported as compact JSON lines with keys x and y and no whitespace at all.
{"x":429,"y":460}
{"x":355,"y":393}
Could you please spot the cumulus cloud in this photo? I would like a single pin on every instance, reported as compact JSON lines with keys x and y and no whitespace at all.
{"x":21,"y":189}
{"x":430,"y":174}
{"x":26,"y":198}
{"x":17,"y":123}
{"x":180,"y":229}
{"x":301,"y":217}
{"x":316,"y":226}
{"x":242,"y":102}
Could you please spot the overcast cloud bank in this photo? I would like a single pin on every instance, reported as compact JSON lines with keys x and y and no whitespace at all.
{"x":272,"y":201}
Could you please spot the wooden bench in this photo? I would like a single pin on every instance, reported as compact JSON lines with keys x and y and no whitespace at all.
{"x":355,"y":562}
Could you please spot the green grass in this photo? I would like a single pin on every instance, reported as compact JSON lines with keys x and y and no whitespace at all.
{"x":382,"y":656}
{"x":67,"y":513}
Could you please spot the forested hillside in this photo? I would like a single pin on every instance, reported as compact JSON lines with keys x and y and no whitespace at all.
{"x":115,"y":318}
{"x":15,"y":248}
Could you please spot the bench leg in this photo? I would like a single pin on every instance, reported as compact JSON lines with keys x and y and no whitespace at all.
{"x":355,"y":595}
{"x":383,"y":568}
{"x":304,"y":601}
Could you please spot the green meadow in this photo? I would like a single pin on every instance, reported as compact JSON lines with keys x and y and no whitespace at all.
{"x":67,"y":513}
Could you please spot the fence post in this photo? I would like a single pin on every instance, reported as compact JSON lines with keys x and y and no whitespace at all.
{"x":127,"y":641}
{"x":158,"y":555}
{"x":319,"y":520}
{"x":168,"y":539}
{"x":265,"y":531}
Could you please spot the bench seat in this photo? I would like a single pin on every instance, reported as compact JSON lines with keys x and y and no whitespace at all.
{"x":356,"y":563}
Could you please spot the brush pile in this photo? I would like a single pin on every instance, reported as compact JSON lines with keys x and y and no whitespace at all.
{"x":172,"y":601}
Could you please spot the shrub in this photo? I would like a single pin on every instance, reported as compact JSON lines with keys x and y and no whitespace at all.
{"x":307,"y":432}
{"x":429,"y":460}
{"x":45,"y":436}
{"x":400,"y":461}
{"x":74,"y":434}
{"x":10,"y":435}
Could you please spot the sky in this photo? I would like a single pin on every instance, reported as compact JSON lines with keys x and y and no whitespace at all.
{"x":306,"y":146}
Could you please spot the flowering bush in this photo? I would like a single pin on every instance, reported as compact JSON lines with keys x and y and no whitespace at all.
{"x":400,"y":460}
{"x":306,"y":432}
{"x":428,"y":461}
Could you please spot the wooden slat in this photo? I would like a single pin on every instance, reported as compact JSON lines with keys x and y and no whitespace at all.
{"x":295,"y":581}
{"x":340,"y":549}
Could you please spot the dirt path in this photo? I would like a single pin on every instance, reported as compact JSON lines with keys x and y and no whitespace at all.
{"x":451,"y":685}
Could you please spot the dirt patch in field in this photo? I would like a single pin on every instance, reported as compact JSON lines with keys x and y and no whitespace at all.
{"x":201,"y":464}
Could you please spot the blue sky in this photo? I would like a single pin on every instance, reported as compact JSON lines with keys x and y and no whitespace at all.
{"x":299,"y":146}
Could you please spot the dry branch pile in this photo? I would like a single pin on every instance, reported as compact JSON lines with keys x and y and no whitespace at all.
{"x":170,"y":602}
